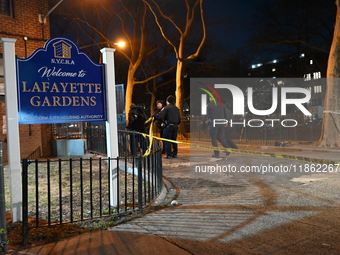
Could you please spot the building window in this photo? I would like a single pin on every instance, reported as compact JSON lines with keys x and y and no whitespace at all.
{"x":307,"y":77}
{"x":317,"y":89}
{"x":316,"y":75}
{"x":6,"y":8}
{"x":68,"y":130}
{"x":2,"y":82}
{"x":316,"y":102}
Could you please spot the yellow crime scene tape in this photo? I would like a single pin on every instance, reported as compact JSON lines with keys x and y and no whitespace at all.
{"x":256,"y":153}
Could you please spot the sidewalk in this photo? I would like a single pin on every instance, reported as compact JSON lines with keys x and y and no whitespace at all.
{"x":229,"y":214}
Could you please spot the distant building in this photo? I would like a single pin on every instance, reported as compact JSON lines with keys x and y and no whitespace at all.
{"x":310,"y":69}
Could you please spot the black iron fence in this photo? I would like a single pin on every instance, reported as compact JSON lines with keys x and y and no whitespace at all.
{"x":249,"y":129}
{"x":129,"y":143}
{"x":68,"y":190}
{"x":255,"y":130}
{"x":3,"y":224}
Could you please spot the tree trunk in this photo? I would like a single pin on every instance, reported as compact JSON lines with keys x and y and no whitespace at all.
{"x":179,"y":86}
{"x":330,"y":136}
{"x":129,"y":92}
{"x":180,"y":95}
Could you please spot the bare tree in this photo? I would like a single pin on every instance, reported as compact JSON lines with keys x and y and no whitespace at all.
{"x":330,"y":136}
{"x":184,"y":26}
{"x":153,"y":64}
{"x":127,"y":20}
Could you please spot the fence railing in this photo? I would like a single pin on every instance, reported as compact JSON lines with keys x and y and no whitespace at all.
{"x":129,"y":143}
{"x":3,"y":224}
{"x":195,"y":128}
{"x":58,"y":191}
{"x":269,"y":133}
{"x":35,"y":154}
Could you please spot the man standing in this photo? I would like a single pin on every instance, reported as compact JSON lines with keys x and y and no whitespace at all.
{"x":216,"y":131}
{"x":229,"y":129}
{"x":172,"y":118}
{"x":160,"y":123}
{"x":136,"y":123}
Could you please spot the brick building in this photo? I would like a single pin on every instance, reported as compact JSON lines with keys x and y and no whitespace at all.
{"x":19,"y":19}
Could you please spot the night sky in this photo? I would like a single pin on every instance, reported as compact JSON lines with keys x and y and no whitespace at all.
{"x":238,"y":15}
{"x":239,"y":19}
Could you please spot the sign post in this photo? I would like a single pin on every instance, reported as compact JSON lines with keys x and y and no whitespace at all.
{"x":111,"y":123}
{"x":13,"y":142}
{"x":56,"y":84}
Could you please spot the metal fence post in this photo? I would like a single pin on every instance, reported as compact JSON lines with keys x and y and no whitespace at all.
{"x":140,"y":183}
{"x":25,"y":202}
{"x":3,"y":228}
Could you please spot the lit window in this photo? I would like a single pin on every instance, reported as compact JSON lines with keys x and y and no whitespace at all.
{"x":307,"y":76}
{"x":316,"y":75}
{"x":311,"y":61}
{"x":317,"y":89}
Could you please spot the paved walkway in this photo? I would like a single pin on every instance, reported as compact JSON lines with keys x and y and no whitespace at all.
{"x":228,"y":213}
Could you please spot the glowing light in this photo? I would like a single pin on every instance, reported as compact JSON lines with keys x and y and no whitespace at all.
{"x":120,"y":44}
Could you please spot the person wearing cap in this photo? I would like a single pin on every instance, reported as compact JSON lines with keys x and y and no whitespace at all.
{"x":172,"y":118}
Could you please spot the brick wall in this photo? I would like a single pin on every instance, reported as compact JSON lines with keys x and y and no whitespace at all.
{"x":25,"y":23}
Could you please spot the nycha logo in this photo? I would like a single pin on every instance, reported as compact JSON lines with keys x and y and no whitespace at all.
{"x":239,"y":104}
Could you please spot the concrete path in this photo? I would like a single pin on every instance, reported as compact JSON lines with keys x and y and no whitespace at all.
{"x":228,"y":213}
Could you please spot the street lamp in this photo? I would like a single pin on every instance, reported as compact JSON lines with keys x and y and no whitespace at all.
{"x":42,"y":18}
{"x":120,"y":44}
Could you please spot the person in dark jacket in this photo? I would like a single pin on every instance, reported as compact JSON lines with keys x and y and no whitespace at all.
{"x":229,"y":129}
{"x":172,"y":118}
{"x":217,"y":111}
{"x":160,"y":104}
{"x":136,"y":119}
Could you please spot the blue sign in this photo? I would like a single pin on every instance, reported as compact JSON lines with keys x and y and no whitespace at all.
{"x":59,"y":84}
